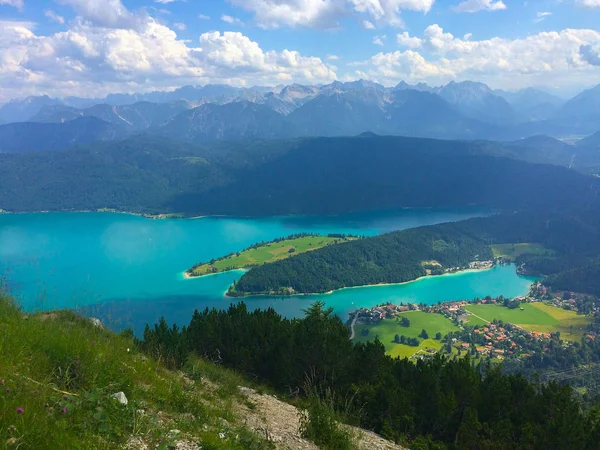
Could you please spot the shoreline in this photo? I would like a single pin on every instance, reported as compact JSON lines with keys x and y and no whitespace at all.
{"x":149,"y":216}
{"x":185,"y":275}
{"x":458,"y":272}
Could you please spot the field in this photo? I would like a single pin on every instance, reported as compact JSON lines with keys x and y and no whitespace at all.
{"x":388,"y":328}
{"x":535,"y":317}
{"x":512,"y":251}
{"x":266,"y":253}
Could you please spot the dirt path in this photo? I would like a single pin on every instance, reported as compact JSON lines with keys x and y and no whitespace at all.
{"x":479,"y":317}
{"x":279,"y":422}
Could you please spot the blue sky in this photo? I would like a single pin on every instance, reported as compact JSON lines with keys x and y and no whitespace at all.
{"x":92,"y":47}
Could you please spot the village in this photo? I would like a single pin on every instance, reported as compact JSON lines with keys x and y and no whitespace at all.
{"x":494,"y":336}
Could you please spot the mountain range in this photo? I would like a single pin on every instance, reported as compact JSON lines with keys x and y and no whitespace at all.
{"x":465,"y":110}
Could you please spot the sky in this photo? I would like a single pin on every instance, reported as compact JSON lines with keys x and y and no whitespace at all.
{"x":90,"y":48}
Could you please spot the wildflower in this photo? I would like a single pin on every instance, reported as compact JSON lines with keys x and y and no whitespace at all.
{"x":64,"y":410}
{"x":20,"y":410}
{"x":76,"y":362}
{"x":7,"y":389}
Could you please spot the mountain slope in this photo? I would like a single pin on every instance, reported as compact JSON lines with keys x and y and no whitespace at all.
{"x":61,"y":372}
{"x":304,"y":176}
{"x":535,"y":149}
{"x":335,"y":175}
{"x":139,"y":116}
{"x":477,"y":100}
{"x":532,"y":104}
{"x":423,"y":114}
{"x":23,"y":110}
{"x":32,"y":136}
{"x":339,"y":114}
{"x":585,"y":103}
{"x":232,"y":121}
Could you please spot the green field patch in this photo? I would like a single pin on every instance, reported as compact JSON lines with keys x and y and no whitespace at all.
{"x":513,"y":251}
{"x":536,"y":317}
{"x":572,"y":326}
{"x":266,"y":253}
{"x":387,"y":329}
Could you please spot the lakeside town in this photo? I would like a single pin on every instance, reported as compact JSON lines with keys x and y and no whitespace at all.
{"x":482,"y":337}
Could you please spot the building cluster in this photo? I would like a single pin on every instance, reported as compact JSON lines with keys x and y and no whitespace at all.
{"x":372,"y":316}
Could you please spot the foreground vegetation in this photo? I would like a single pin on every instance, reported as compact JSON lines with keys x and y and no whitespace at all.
{"x":438,"y":403}
{"x":59,"y":373}
{"x":267,"y":252}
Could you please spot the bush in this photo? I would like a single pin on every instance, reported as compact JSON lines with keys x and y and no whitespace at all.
{"x":319,"y":424}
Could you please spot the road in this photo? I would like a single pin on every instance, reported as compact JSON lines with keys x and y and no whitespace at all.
{"x":352,"y":326}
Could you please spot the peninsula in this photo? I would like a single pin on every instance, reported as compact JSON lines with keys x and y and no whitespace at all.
{"x":267,"y":252}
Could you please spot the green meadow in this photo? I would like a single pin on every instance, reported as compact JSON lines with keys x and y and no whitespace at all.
{"x":266,"y":253}
{"x":535,"y":317}
{"x":513,"y":251}
{"x":387,"y":329}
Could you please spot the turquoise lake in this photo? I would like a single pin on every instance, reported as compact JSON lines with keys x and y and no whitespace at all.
{"x":129,"y":270}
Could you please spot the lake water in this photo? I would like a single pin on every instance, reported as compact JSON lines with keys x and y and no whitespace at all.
{"x":128,"y":270}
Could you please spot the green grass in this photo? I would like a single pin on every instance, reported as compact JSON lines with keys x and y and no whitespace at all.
{"x":512,"y":251}
{"x":419,"y":320}
{"x":267,"y":253}
{"x":536,"y":317}
{"x":57,"y":375}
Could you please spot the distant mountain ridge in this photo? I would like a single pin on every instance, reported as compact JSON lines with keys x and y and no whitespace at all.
{"x":458,"y":110}
{"x":139,"y":116}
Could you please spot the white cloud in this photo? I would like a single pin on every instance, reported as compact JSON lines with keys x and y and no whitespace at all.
{"x":540,"y":16}
{"x":15,"y":3}
{"x":368,"y":25}
{"x":99,"y":55}
{"x":203,"y":17}
{"x":472,"y":6}
{"x":327,"y":13}
{"x":332,"y":57}
{"x":231,"y":20}
{"x":106,"y":13}
{"x":54,"y":17}
{"x":589,"y":3}
{"x":179,"y":26}
{"x":378,"y":40}
{"x":590,"y":54}
{"x":405,"y":40}
{"x":567,"y":57}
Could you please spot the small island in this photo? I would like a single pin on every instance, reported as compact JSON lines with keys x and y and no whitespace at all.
{"x":267,"y":252}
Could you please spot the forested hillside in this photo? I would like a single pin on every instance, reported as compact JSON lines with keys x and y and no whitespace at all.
{"x":306,"y":176}
{"x":398,"y":256}
{"x":390,"y":258}
{"x":32,"y":136}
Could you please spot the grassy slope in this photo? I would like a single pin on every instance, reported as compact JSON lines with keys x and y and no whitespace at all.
{"x":267,"y":253}
{"x":513,"y":251}
{"x":57,"y":374}
{"x":388,"y":328}
{"x":536,"y":317}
